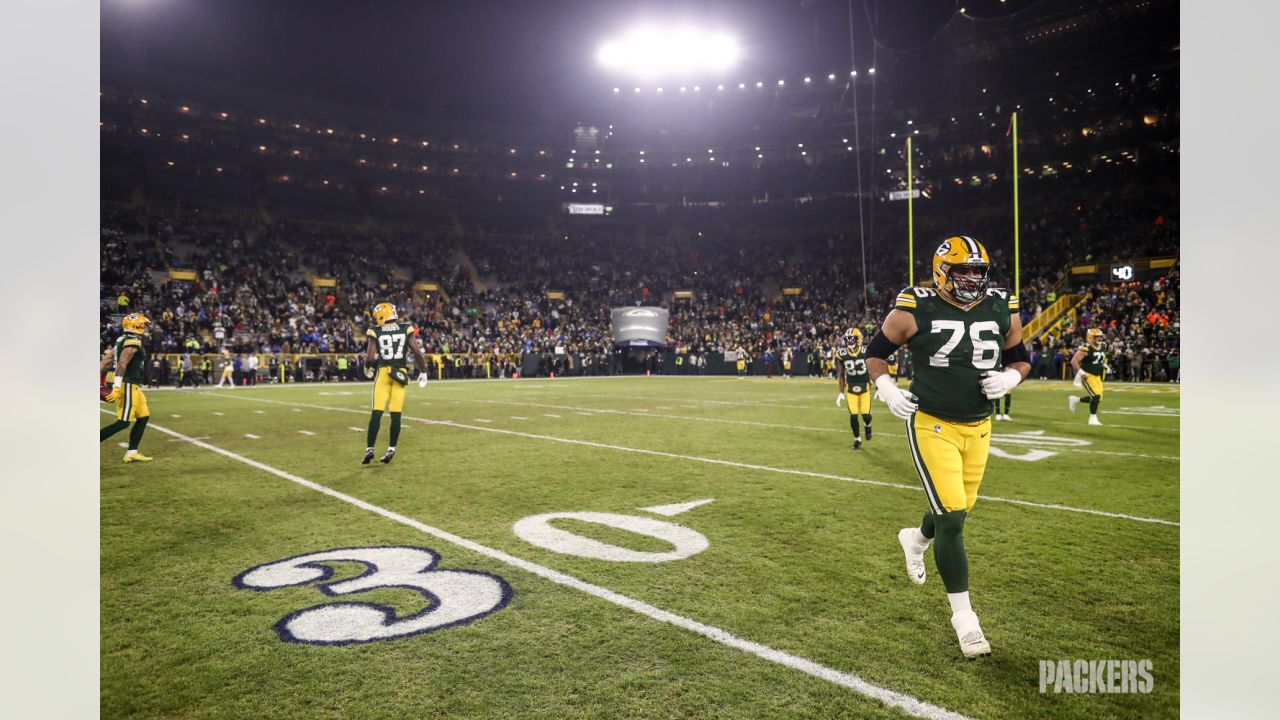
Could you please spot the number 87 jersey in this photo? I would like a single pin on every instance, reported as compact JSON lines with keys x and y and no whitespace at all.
{"x":392,"y":342}
{"x":954,"y":346}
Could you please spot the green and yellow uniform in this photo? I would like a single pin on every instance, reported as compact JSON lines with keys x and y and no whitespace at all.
{"x":391,"y":342}
{"x":857,"y":383}
{"x":1094,"y":365}
{"x":743,"y":359}
{"x":131,"y":403}
{"x":950,"y":435}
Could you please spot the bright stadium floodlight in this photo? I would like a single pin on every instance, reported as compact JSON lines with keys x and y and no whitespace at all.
{"x":652,"y":51}
{"x":831,"y":76}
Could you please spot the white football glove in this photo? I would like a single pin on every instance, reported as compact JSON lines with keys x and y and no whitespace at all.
{"x":900,"y":403}
{"x":1079,"y":381}
{"x":839,"y":399}
{"x":368,"y":372}
{"x":422,"y":379}
{"x":998,"y":384}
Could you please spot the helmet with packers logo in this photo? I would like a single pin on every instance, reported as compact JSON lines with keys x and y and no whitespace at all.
{"x":384,"y":313}
{"x":961,"y":252}
{"x":852,"y":339}
{"x":135,"y":324}
{"x":1094,"y":336}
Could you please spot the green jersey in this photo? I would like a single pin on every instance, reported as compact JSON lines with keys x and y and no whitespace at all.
{"x":856,"y":379}
{"x":392,"y":343}
{"x":1094,"y":361}
{"x":135,"y":372}
{"x":953,"y":347}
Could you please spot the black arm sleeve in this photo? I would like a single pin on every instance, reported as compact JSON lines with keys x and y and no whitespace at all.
{"x":881,"y":347}
{"x":1017,"y":353}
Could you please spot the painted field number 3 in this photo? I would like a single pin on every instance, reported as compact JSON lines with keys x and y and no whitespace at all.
{"x":454,"y":597}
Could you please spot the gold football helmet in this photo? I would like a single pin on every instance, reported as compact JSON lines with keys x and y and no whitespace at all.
{"x":1094,"y":337}
{"x":384,"y":313}
{"x":852,"y":340}
{"x":961,"y":251}
{"x":135,"y":324}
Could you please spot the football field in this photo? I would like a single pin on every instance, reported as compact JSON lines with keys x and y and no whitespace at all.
{"x":665,"y":547}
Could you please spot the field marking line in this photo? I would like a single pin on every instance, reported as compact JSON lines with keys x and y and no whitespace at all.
{"x":251,"y":436}
{"x":352,"y":427}
{"x":911,"y":705}
{"x":518,"y":417}
{"x":549,"y":415}
{"x":306,"y":432}
{"x":756,"y":423}
{"x":730,"y":463}
{"x":481,"y":420}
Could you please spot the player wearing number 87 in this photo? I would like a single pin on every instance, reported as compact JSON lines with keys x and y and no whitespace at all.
{"x":389,"y":339}
{"x":967,"y":338}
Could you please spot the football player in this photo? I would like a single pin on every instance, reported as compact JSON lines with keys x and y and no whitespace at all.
{"x":129,"y":360}
{"x":742,"y":362}
{"x":786,"y":363}
{"x":389,"y":339}
{"x":1090,"y":364}
{"x":966,"y":339}
{"x":854,"y":384}
{"x":226,"y":370}
{"x":995,"y":408}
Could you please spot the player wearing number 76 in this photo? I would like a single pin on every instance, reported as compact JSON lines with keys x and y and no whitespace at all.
{"x":967,"y":341}
{"x":388,"y":340}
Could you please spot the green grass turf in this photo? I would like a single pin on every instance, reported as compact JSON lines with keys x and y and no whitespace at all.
{"x":804,"y":564}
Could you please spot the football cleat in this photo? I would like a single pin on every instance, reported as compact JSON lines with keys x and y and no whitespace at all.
{"x":388,"y":456}
{"x":915,"y":560}
{"x":868,"y":433}
{"x":137,"y":457}
{"x":1093,"y":420}
{"x":368,"y":457}
{"x":857,"y":444}
{"x":1072,"y":402}
{"x":973,"y":643}
{"x":961,"y":251}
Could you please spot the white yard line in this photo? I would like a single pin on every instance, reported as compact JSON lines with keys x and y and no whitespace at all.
{"x":756,"y":423}
{"x":251,"y":436}
{"x":306,"y":432}
{"x":730,"y":463}
{"x":911,"y":705}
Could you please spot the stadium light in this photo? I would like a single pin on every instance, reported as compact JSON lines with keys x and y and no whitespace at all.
{"x":871,"y":71}
{"x":781,"y":83}
{"x":651,"y":51}
{"x":807,"y":79}
{"x":831,"y":76}
{"x":720,"y":87}
{"x":759,"y":83}
{"x":853,"y":73}
{"x":742,"y":86}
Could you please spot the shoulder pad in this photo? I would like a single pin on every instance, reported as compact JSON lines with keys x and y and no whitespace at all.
{"x":370,"y":332}
{"x":907,"y":299}
{"x":132,"y":342}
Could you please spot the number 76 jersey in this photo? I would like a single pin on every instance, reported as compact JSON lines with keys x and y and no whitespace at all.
{"x":392,"y":341}
{"x":953,"y":347}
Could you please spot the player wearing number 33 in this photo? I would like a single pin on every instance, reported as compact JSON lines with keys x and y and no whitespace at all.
{"x":967,"y":341}
{"x":389,"y":340}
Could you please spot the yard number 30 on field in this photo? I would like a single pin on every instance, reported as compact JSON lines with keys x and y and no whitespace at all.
{"x":454,"y":597}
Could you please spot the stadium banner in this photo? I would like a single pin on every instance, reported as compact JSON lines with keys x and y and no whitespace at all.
{"x":427,"y":287}
{"x":684,"y":295}
{"x":555,"y":294}
{"x":324,"y":282}
{"x":791,"y":291}
{"x":640,"y":326}
{"x":904,"y":194}
{"x":588,"y":209}
{"x":175,"y":274}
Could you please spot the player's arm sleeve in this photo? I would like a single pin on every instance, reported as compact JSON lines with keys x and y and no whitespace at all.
{"x":906,"y":301}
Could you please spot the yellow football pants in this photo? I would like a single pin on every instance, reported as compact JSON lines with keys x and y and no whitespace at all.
{"x":858,"y":404}
{"x":386,"y":390}
{"x":950,"y":458}
{"x":131,"y":404}
{"x":1093,"y":385}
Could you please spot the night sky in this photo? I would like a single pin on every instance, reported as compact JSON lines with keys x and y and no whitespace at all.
{"x":513,"y":61}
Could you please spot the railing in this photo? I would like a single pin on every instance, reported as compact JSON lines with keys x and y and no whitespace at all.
{"x":1064,"y":305}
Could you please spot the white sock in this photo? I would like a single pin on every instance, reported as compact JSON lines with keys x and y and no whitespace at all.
{"x":959,"y":602}
{"x":391,"y":448}
{"x":368,"y":449}
{"x":130,"y":452}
